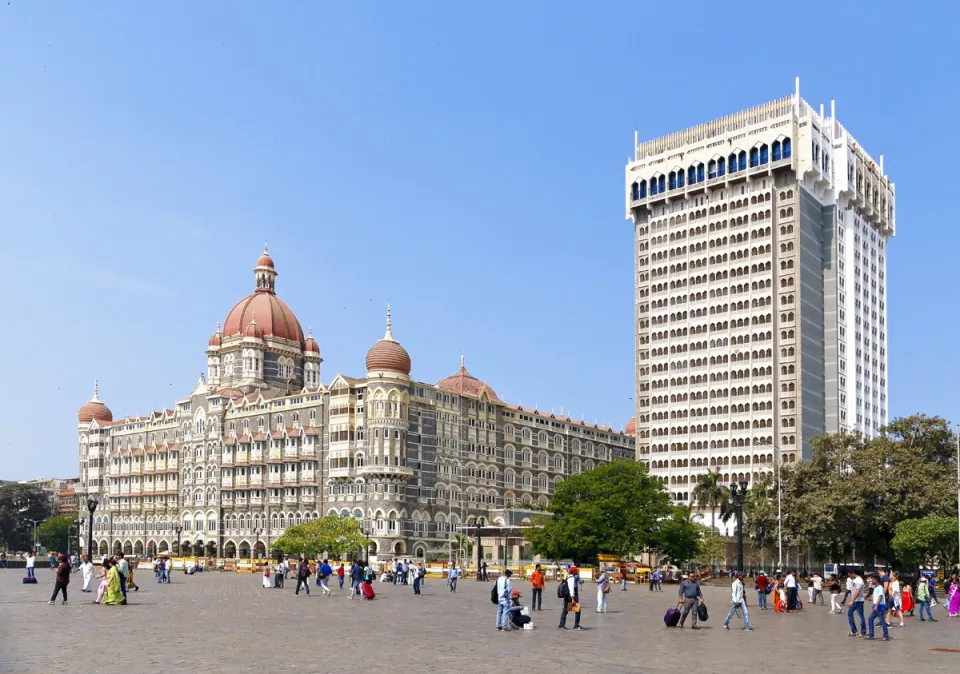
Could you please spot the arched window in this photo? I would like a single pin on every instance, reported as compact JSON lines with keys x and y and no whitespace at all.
{"x":643,"y":189}
{"x":672,"y":180}
{"x":680,"y":179}
{"x":786,"y":148}
{"x":692,"y":175}
{"x":721,"y":166}
{"x":733,"y":163}
{"x":742,"y":161}
{"x":754,"y":157}
{"x":699,"y":173}
{"x":776,"y":150}
{"x":635,"y":191}
{"x":661,"y":183}
{"x":764,"y":157}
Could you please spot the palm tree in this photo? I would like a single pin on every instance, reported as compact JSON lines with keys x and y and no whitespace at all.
{"x":711,"y":494}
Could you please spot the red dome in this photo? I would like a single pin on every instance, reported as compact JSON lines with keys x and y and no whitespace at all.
{"x":387,"y":355}
{"x":265,"y":260}
{"x":253,"y":330}
{"x":464,"y":383}
{"x":631,"y":427}
{"x":216,"y":338}
{"x":273,"y":316}
{"x":94,"y":409}
{"x":311,"y":346}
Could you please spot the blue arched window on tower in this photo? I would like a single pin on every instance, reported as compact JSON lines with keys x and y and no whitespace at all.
{"x":742,"y":161}
{"x":680,"y":179}
{"x":754,"y":157}
{"x":733,"y":163}
{"x":660,"y":184}
{"x":764,"y":156}
{"x":692,"y":175}
{"x":653,"y":186}
{"x":699,"y":173}
{"x":721,"y":166}
{"x":673,"y":180}
{"x":712,"y":168}
{"x":635,"y":191}
{"x":643,"y":189}
{"x":786,"y":148}
{"x":776,"y":150}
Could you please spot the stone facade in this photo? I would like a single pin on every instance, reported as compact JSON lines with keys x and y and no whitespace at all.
{"x":261,"y":444}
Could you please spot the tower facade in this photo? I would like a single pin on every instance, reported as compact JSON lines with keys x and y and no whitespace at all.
{"x":760,"y":268}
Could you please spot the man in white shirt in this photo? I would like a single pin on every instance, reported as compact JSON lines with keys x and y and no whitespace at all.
{"x":31,"y":561}
{"x":817,"y":588}
{"x":504,"y":589}
{"x":790,"y":584}
{"x":855,"y":594}
{"x":737,"y":600}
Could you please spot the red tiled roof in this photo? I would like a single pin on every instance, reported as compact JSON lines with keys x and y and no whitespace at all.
{"x":465,"y":384}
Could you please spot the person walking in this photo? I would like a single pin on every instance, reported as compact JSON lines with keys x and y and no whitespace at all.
{"x":418,"y":573}
{"x":690,"y":595}
{"x":31,"y":558}
{"x":104,"y":579}
{"x":340,"y":574}
{"x":603,"y":589}
{"x":737,"y":600}
{"x":63,"y":579}
{"x":130,"y":581}
{"x":817,"y":581}
{"x":278,"y":574}
{"x":653,"y":580}
{"x":504,"y":591}
{"x":834,"y":586}
{"x":571,"y":599}
{"x":856,"y":591}
{"x":452,"y":577}
{"x":790,"y":585}
{"x":323,"y":576}
{"x":52,"y":558}
{"x":483,"y":569}
{"x":923,"y":600}
{"x":623,"y":578}
{"x":356,"y":577}
{"x":896,"y":599}
{"x":303,"y":576}
{"x":761,"y":584}
{"x":536,"y":582}
{"x":87,"y":569}
{"x":123,"y":568}
{"x":879,"y":608}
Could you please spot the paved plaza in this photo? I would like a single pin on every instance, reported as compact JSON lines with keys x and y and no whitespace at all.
{"x":225,"y":622}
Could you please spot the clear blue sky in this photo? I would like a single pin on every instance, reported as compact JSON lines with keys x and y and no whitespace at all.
{"x":464,"y":163}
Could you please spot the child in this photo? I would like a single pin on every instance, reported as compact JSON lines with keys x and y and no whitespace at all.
{"x":266,"y":577}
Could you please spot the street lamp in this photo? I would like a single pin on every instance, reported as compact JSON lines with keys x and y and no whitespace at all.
{"x":480,"y":523}
{"x":92,"y":502}
{"x":257,"y":531}
{"x":738,"y":491}
{"x":178,"y":529}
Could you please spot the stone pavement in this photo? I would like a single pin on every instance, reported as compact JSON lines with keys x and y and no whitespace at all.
{"x":225,"y":622}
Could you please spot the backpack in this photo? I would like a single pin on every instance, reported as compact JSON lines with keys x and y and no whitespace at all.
{"x":563,"y":590}
{"x":494,"y":597}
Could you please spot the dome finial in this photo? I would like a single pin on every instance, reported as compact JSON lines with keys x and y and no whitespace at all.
{"x":389,"y":335}
{"x":310,"y":332}
{"x":462,"y":365}
{"x":96,"y":390}
{"x":264,"y":247}
{"x":219,"y":329}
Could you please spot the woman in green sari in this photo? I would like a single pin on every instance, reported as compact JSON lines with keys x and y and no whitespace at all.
{"x":113,"y":594}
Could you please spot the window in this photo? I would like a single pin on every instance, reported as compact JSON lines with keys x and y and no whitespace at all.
{"x":764,"y":158}
{"x":786,"y":148}
{"x":754,"y":157}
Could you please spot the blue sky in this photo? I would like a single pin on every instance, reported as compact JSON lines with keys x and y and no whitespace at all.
{"x":462,"y":160}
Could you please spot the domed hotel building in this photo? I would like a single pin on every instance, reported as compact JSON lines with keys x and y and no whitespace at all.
{"x":261,"y":444}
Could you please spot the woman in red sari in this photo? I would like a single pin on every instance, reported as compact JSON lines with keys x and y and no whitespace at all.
{"x":906,"y":600}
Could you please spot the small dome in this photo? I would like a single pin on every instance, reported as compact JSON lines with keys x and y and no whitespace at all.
{"x":387,"y":355}
{"x":464,"y":383}
{"x":253,"y":330}
{"x":94,"y":409}
{"x":631,"y":426}
{"x":265,"y":260}
{"x":216,"y":338}
{"x":311,"y":346}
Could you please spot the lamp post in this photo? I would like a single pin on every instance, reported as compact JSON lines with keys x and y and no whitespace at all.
{"x":92,"y":502}
{"x":178,"y":529}
{"x":480,"y":523}
{"x":257,"y":532}
{"x":738,"y":491}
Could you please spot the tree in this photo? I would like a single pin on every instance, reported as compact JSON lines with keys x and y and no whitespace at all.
{"x":926,"y":541}
{"x":681,"y":539}
{"x":333,"y":534}
{"x":615,"y":509}
{"x":55,"y":532}
{"x":711,"y":547}
{"x":711,"y":494}
{"x":20,"y":506}
{"x":760,"y":513}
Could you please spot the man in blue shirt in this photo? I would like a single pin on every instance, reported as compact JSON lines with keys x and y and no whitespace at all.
{"x":323,"y":577}
{"x":356,"y":577}
{"x":452,"y":578}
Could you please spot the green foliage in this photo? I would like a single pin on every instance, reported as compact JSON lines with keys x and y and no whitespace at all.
{"x":926,"y":541}
{"x":615,"y":509}
{"x":681,"y":539}
{"x":334,"y":534}
{"x":711,"y":546}
{"x":710,"y":493}
{"x":19,"y":504}
{"x":760,"y":513}
{"x":853,"y":492}
{"x":55,"y":532}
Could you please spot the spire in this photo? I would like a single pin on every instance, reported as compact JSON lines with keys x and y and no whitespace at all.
{"x":462,"y":365}
{"x":219,"y":329}
{"x":265,"y":273}
{"x":309,"y":332}
{"x":96,"y":391}
{"x":389,"y":335}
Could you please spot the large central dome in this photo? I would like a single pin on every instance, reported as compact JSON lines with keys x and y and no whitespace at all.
{"x":271,"y":313}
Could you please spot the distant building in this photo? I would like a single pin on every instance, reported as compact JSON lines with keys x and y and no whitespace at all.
{"x":60,"y":491}
{"x":262,"y":444}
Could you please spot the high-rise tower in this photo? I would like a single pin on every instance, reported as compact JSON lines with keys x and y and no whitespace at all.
{"x":760,"y":258}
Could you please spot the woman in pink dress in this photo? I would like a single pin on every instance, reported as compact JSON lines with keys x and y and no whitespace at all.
{"x":105,"y":582}
{"x":953,"y":598}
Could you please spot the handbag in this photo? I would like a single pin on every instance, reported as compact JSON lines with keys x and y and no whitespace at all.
{"x":702,"y":614}
{"x":574,"y":607}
